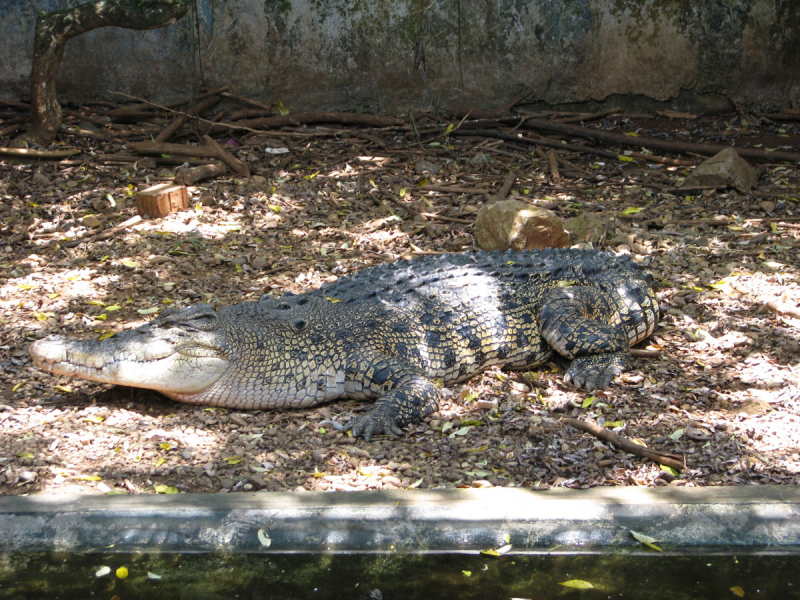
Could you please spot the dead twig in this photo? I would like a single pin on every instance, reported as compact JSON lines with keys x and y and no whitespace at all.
{"x":662,"y":458}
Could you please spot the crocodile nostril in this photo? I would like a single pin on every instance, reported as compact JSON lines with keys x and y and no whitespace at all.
{"x":300,"y":325}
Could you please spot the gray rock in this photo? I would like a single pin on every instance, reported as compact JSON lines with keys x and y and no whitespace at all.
{"x":726,"y":169}
{"x":511,"y":224}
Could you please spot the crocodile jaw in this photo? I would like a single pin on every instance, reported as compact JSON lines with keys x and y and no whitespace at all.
{"x":159,"y":365}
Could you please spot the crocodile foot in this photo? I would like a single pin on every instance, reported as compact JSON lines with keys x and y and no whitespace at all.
{"x":596,"y":372}
{"x":378,"y":420}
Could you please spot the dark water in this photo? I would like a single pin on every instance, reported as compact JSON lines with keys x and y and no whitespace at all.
{"x":53,"y":576}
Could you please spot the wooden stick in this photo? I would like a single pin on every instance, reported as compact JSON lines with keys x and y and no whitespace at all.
{"x":589,"y":116}
{"x":647,"y":142}
{"x":508,"y":183}
{"x":663,"y":458}
{"x":247,"y":101}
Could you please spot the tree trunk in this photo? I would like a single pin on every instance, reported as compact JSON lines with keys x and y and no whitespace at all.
{"x":55,"y":28}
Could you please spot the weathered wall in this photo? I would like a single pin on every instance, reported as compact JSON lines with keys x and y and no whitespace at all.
{"x":359,"y":54}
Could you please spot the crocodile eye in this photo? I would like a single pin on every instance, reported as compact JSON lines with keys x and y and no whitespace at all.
{"x":283,"y":306}
{"x":299,"y":325}
{"x":302,"y":302}
{"x":203,"y":322}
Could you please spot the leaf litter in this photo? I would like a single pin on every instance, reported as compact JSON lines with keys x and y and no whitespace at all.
{"x":720,"y":384}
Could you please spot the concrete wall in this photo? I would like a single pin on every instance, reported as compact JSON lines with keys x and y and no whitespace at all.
{"x":359,"y":54}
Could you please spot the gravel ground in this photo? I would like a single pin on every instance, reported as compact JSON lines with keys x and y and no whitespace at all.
{"x":722,"y":388}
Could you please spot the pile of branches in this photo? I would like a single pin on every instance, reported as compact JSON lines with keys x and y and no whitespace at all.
{"x":187,"y":128}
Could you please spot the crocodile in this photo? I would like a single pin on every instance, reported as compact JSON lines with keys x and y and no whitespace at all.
{"x":393,"y":333}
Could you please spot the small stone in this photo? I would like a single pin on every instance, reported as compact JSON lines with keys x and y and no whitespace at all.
{"x":27,"y":476}
{"x":259,"y":262}
{"x":40,"y":179}
{"x":186,"y":454}
{"x":146,"y":163}
{"x":319,"y":454}
{"x":226,"y":482}
{"x":392,"y":480}
{"x":427,"y":166}
{"x":91,"y":221}
{"x":767,"y":206}
{"x":247,"y":487}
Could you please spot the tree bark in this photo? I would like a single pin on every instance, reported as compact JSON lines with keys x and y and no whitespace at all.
{"x":55,"y":28}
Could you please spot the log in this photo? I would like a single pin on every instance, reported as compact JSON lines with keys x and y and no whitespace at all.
{"x":191,"y":175}
{"x":162,"y":199}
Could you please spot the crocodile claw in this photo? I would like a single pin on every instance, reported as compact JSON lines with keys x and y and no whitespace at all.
{"x":374,"y":424}
{"x":596,"y":372}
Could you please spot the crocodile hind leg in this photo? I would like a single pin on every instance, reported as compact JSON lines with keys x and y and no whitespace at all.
{"x":583,"y":324}
{"x":404,"y":397}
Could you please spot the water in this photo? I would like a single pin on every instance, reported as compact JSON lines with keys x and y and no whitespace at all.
{"x":54,"y":576}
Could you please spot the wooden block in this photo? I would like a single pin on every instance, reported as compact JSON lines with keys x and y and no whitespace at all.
{"x":162,"y":199}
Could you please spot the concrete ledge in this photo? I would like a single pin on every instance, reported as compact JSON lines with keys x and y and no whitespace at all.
{"x":599,"y":519}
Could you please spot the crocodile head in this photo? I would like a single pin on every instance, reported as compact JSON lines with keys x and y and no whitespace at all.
{"x":181,"y":353}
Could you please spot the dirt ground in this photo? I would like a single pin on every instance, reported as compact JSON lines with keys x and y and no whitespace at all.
{"x":722,"y":389}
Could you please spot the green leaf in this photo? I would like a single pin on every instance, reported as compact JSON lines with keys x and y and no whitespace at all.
{"x":632,"y":210}
{"x":670,"y":470}
{"x":646,"y":540}
{"x":165,"y":489}
{"x":577,"y":583}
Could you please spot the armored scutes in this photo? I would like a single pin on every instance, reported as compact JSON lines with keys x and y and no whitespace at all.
{"x":384,"y":333}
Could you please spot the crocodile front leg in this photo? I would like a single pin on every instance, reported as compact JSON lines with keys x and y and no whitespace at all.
{"x":583,"y":324}
{"x":405,"y":397}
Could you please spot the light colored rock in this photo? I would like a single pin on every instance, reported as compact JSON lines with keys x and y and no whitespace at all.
{"x":511,"y":224}
{"x":587,"y":227}
{"x":726,"y":168}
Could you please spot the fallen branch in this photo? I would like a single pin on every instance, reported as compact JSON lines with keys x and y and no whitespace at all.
{"x":97,"y":235}
{"x":653,"y":143}
{"x":182,"y":118}
{"x":304,"y":118}
{"x":211,"y":149}
{"x":662,"y":458}
{"x":229,"y":159}
{"x":550,"y":143}
{"x":41,"y":154}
